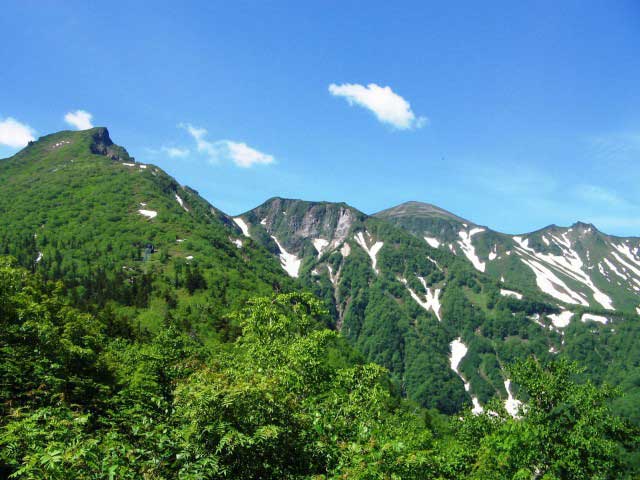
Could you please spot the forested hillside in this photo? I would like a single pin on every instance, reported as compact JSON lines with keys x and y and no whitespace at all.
{"x":444,"y":330}
{"x":146,"y":334}
{"x":83,"y":397}
{"x":75,"y":207}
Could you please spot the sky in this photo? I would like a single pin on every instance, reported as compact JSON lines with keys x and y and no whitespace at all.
{"x":514,"y":115}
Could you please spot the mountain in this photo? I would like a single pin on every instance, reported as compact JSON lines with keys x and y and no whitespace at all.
{"x":577,"y":265}
{"x":77,"y":208}
{"x":446,"y":314}
{"x":403,"y":303}
{"x":424,"y":308}
{"x":132,"y":342}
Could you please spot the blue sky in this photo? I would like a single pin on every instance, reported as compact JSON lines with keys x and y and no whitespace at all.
{"x":514,"y":115}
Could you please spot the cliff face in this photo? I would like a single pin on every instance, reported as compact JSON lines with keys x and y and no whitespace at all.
{"x":102,"y":145}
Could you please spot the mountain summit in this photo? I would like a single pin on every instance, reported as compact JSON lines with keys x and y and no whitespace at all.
{"x":76,"y":207}
{"x":416,"y":209}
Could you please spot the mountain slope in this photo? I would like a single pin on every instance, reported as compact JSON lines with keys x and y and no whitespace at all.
{"x":405,"y":304}
{"x":577,"y":266}
{"x":75,"y":207}
{"x":129,"y":242}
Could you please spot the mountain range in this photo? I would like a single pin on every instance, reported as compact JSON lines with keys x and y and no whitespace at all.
{"x":443,"y":303}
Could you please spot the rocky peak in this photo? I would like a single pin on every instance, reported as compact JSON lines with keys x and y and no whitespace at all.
{"x":101,"y":144}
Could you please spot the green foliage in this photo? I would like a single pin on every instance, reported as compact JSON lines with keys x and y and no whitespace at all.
{"x":567,"y":430}
{"x":284,"y":400}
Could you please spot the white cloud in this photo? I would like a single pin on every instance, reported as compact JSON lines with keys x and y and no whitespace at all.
{"x":245,"y":156}
{"x":176,"y":152}
{"x":238,"y":152}
{"x":79,"y":119}
{"x":388,"y":106}
{"x":15,"y":134}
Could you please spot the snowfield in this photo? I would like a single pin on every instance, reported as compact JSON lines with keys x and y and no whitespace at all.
{"x":468,"y":249}
{"x":433,"y":242}
{"x":243,"y":226}
{"x":320,"y":244}
{"x":569,"y":264}
{"x":289,"y":261}
{"x":458,"y":352}
{"x":562,"y":319}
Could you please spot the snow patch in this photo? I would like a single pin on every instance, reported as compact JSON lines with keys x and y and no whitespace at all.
{"x":289,"y":261}
{"x":148,"y":213}
{"x":333,"y":279}
{"x":510,"y":293}
{"x":372,"y":252}
{"x":39,"y":257}
{"x":468,"y":249}
{"x":549,"y":283}
{"x":243,"y":226}
{"x":432,"y":241}
{"x":60,"y":143}
{"x":237,"y":242}
{"x":458,"y":352}
{"x":320,"y":244}
{"x":614,"y":269}
{"x":431,"y":299}
{"x":511,"y":405}
{"x":626,"y":264}
{"x":181,"y":202}
{"x":594,"y":318}
{"x":263,"y":221}
{"x":129,"y":164}
{"x":569,"y":264}
{"x":435,"y":263}
{"x":562,"y":319}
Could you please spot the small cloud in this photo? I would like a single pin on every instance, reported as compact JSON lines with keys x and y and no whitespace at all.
{"x":388,"y":106}
{"x":245,"y":156}
{"x":15,"y":134}
{"x":79,"y":119}
{"x":175,"y":152}
{"x":238,"y":152}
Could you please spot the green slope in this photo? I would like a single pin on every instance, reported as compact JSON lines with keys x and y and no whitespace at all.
{"x":72,"y":208}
